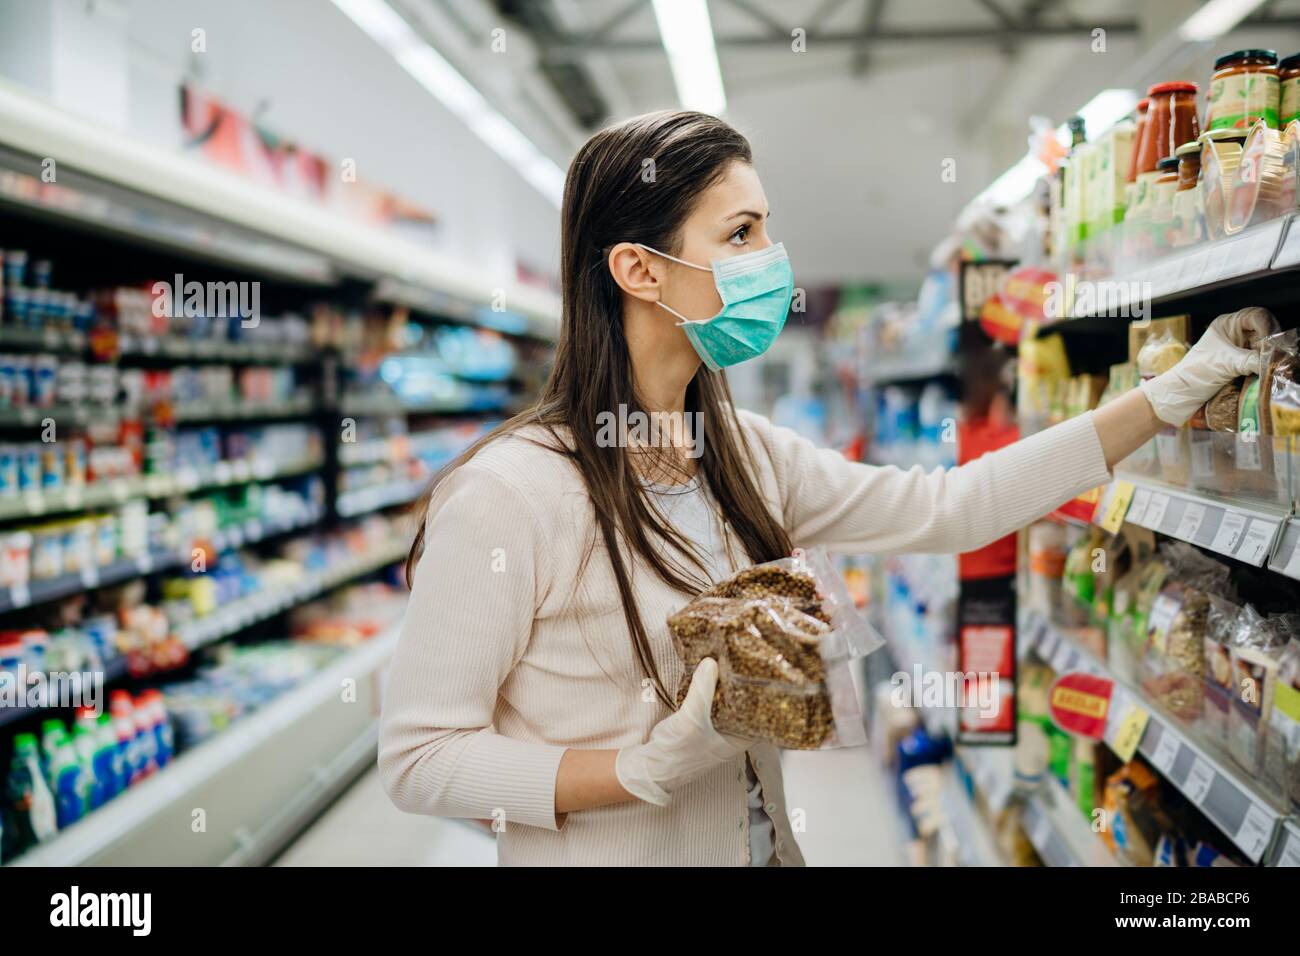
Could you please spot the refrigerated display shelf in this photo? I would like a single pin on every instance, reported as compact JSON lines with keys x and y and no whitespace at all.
{"x":106,"y":494}
{"x":235,"y":410}
{"x":1246,"y":531}
{"x":114,"y":670}
{"x":71,"y":342}
{"x":243,"y":613}
{"x":364,"y":500}
{"x":389,"y":404}
{"x":115,"y":184}
{"x":1226,"y":795}
{"x":269,"y":773}
{"x":123,"y":569}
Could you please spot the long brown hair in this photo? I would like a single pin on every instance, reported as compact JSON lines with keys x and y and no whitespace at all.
{"x":608,"y":199}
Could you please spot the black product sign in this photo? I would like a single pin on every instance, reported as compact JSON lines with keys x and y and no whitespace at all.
{"x":978,"y":281}
{"x":986,"y":656}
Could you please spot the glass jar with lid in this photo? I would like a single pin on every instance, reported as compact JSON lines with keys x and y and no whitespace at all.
{"x":1188,"y":225}
{"x":1244,"y":89}
{"x":1288,"y":76}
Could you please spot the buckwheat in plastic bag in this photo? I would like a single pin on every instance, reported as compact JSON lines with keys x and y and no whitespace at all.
{"x":783,"y":634}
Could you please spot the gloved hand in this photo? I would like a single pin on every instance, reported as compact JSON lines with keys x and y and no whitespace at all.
{"x":681,"y":747}
{"x":1213,"y":362}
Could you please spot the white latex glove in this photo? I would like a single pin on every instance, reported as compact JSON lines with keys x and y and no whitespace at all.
{"x":681,"y":747}
{"x":1212,"y":363}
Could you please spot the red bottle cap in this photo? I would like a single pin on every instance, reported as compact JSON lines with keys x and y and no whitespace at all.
{"x":1173,"y":86}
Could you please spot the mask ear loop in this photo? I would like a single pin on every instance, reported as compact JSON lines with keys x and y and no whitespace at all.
{"x":681,"y":319}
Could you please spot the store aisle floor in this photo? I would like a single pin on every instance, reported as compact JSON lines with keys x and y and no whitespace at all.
{"x":844,"y":797}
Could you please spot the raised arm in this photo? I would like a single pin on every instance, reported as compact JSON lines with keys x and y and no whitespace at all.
{"x":828,"y":500}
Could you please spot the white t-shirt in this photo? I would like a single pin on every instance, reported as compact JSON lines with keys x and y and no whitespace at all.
{"x":690,"y":510}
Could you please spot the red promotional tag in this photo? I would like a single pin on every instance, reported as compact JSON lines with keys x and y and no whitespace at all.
{"x":1080,"y":702}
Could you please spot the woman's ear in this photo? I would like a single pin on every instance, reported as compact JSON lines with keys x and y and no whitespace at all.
{"x":634,"y":270}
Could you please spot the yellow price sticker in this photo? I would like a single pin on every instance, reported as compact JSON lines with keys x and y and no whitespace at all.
{"x":1116,"y":505}
{"x":1130,"y":732}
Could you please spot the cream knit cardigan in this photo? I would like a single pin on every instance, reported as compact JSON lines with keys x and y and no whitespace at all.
{"x":509,"y":656}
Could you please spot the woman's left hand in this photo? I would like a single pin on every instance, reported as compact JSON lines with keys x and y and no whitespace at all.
{"x":1213,"y":362}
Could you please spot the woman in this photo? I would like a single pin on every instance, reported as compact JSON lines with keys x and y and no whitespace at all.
{"x":533,"y":681}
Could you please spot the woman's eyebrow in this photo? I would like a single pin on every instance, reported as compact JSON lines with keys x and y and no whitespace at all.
{"x":745,"y":212}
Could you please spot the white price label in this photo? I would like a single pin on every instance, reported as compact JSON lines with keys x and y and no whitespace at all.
{"x":242,"y":471}
{"x":1199,"y":780}
{"x":1156,"y":509}
{"x":72,"y":497}
{"x":1190,"y":523}
{"x":1248,"y":456}
{"x":222,"y":472}
{"x":1166,"y":751}
{"x":20,"y":595}
{"x":1254,"y":545}
{"x":90,"y":576}
{"x":1290,"y":855}
{"x":1228,"y":536}
{"x":1292,"y":568}
{"x":1254,"y":833}
{"x":34,"y":502}
{"x":1137,"y":509}
{"x":144,"y":563}
{"x":121,"y":490}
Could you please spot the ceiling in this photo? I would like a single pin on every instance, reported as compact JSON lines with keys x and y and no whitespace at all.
{"x":852,"y":132}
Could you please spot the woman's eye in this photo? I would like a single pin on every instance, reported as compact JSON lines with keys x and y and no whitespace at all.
{"x":740,"y":236}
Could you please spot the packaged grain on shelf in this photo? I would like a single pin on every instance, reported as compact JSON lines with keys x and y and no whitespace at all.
{"x":1257,"y":645}
{"x":1173,"y":659}
{"x":1282,"y":743}
{"x":1159,"y":353}
{"x":1219,"y":688}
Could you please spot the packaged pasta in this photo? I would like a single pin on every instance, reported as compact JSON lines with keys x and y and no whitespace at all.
{"x":782,"y":634}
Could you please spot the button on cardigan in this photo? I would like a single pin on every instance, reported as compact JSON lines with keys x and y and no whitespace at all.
{"x":514,"y":646}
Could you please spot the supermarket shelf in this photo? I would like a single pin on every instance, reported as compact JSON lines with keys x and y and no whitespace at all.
{"x":245,"y":612}
{"x":388,"y":404}
{"x":1227,"y":796}
{"x":375,"y":497}
{"x":71,"y":342}
{"x":269,"y":773}
{"x":1231,"y":261}
{"x":440,"y":306}
{"x":887,"y":373}
{"x":1288,"y":848}
{"x":198,"y":208}
{"x":123,"y":569}
{"x":972,"y":843}
{"x":294,"y":407}
{"x":66,"y":415}
{"x":1286,"y":556}
{"x":1247,"y":531}
{"x":114,"y":670}
{"x":1059,"y":831}
{"x":35,"y":504}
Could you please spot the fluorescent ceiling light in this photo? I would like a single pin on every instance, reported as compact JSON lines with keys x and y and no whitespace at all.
{"x":431,"y":70}
{"x":1215,"y":19}
{"x":1101,"y":113}
{"x":688,"y":40}
{"x":1013,"y":185}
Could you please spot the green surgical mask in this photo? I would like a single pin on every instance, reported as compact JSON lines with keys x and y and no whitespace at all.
{"x":756,"y":289}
